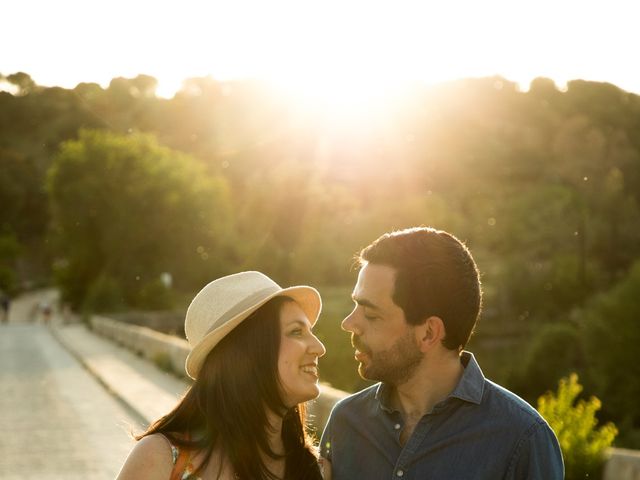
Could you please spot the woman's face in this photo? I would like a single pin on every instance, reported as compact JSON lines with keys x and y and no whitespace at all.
{"x":298,"y":356}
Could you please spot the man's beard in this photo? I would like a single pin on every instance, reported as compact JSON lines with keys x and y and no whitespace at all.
{"x":394,"y":365}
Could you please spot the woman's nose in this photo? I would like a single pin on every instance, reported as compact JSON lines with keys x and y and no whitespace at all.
{"x":317,"y":347}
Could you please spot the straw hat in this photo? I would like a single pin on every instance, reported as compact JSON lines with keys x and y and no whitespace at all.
{"x":222,"y":304}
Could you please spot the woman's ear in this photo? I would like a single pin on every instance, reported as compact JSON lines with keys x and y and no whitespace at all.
{"x":430,"y":333}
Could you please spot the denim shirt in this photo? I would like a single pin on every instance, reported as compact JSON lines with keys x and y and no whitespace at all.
{"x":480,"y":431}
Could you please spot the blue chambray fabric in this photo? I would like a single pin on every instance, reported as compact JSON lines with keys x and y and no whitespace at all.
{"x":481,"y":431}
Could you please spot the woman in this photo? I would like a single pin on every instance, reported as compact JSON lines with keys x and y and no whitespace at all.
{"x":254,"y":361}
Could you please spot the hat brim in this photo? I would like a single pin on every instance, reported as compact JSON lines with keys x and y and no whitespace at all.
{"x":307,"y":297}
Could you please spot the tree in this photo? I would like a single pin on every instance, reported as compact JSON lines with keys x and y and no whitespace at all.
{"x":9,"y":250}
{"x":612,"y":335}
{"x":22,"y":81}
{"x":555,"y":352}
{"x":144,"y":86}
{"x":127,"y":209}
{"x":23,"y":201}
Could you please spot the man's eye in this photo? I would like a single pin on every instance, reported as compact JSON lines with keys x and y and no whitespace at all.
{"x":370,"y":317}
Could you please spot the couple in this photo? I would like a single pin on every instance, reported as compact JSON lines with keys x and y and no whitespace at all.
{"x":432,"y":416}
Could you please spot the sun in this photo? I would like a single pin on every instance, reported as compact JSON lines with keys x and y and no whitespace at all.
{"x":344,"y":60}
{"x":340,"y":95}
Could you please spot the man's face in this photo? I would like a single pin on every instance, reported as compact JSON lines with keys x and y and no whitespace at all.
{"x":385,"y":344}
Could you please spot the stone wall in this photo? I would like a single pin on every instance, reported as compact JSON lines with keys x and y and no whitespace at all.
{"x":623,"y":465}
{"x":170,"y":353}
{"x":166,"y":351}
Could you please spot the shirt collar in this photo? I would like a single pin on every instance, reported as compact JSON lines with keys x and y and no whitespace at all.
{"x":470,"y":387}
{"x":383,"y":395}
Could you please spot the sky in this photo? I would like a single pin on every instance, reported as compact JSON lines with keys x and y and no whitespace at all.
{"x":342,"y":48}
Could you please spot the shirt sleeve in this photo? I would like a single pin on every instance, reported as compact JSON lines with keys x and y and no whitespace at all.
{"x":537,"y":456}
{"x":325,"y":440}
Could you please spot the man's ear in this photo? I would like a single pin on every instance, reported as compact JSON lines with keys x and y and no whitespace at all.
{"x":430,"y":333}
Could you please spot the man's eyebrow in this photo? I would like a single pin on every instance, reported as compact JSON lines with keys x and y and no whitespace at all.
{"x":365,"y":303}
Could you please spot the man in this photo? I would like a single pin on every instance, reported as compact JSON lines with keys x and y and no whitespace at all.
{"x":433,"y":415}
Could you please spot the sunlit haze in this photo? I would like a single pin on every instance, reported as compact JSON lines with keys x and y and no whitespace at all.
{"x":335,"y":51}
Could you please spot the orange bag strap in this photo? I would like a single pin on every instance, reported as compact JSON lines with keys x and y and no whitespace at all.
{"x":181,"y":464}
{"x":184,"y":455}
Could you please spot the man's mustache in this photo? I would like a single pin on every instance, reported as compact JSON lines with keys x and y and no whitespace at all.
{"x":359,"y":344}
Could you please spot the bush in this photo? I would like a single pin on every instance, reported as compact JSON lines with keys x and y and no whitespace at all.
{"x":154,"y":295}
{"x":555,"y":352}
{"x":104,"y":295}
{"x":583,"y":446}
{"x":163,"y":361}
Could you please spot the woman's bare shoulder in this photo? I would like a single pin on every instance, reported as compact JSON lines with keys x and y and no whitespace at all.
{"x":151,"y":458}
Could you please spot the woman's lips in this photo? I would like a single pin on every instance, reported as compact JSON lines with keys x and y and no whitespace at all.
{"x":311,"y":369}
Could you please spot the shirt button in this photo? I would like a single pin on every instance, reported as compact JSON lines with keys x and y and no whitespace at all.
{"x":399,"y":473}
{"x":397,"y":426}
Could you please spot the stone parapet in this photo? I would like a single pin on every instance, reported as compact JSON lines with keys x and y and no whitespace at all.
{"x":623,"y":464}
{"x":166,"y":351}
{"x":170,"y":353}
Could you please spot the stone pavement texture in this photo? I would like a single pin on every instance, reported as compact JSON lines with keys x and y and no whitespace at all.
{"x":148,"y":391}
{"x":57,"y":421}
{"x":71,"y":404}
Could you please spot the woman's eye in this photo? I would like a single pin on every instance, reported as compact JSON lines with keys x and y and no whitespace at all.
{"x":297,"y":331}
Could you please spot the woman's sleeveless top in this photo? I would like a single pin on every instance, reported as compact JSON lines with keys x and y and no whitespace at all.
{"x":182,"y":466}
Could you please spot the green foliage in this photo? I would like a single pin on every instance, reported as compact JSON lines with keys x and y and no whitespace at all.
{"x":612,"y":338}
{"x":23,"y":81}
{"x":154,"y":295}
{"x":555,"y":352}
{"x":163,"y":361}
{"x":104,"y":295}
{"x":583,"y":445}
{"x":22,"y":195}
{"x":125,"y":207}
{"x":9,"y":249}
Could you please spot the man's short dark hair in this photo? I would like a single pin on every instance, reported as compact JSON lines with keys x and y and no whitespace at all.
{"x":435,"y":276}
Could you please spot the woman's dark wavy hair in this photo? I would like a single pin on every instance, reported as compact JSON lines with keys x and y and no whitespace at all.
{"x":225,"y":407}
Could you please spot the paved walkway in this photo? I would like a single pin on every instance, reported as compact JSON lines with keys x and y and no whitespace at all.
{"x":146,"y":390}
{"x":57,"y":421}
{"x":70,"y":398}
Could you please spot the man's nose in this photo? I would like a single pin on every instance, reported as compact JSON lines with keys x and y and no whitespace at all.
{"x":348,"y":324}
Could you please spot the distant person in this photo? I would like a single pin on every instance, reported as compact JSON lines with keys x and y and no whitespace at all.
{"x":46,"y":310}
{"x":5,"y":305}
{"x":254,"y":359}
{"x":433,"y":414}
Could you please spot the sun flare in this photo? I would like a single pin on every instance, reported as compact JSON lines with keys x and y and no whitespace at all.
{"x":343,"y":55}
